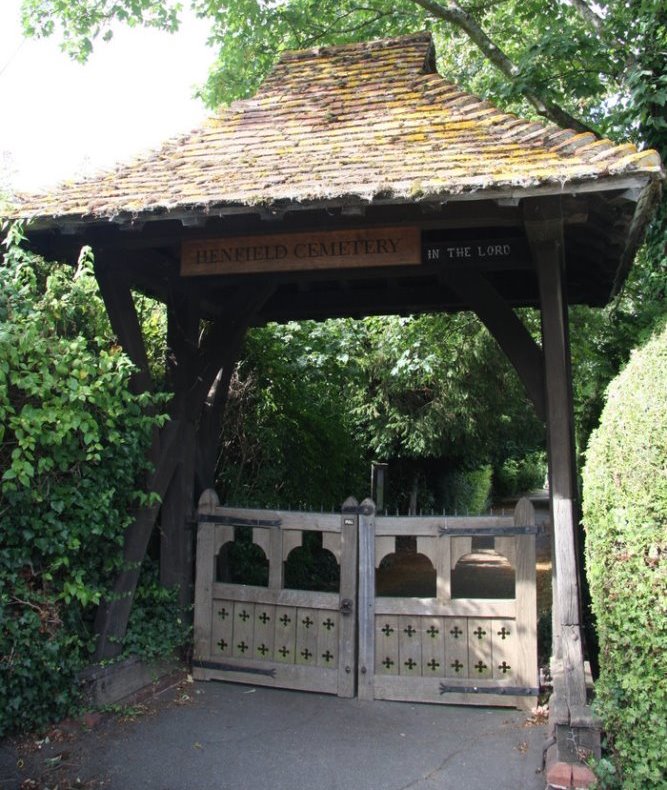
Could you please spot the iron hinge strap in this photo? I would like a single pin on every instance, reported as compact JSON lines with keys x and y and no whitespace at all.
{"x":509,"y":691}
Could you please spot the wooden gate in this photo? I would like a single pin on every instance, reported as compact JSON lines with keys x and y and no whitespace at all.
{"x":464,"y":650}
{"x":438,"y":649}
{"x":274,"y":636}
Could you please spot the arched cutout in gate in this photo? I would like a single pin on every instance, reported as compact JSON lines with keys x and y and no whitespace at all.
{"x":241,"y":561}
{"x":312,"y":567}
{"x":405,"y":573}
{"x":483,"y":573}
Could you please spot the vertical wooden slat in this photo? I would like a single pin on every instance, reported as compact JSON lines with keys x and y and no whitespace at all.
{"x":366,"y":599}
{"x":443,"y":567}
{"x":433,"y":647}
{"x":328,"y":641}
{"x":265,"y":625}
{"x":459,"y":548}
{"x":205,"y":578}
{"x":384,"y":546}
{"x":222,"y":631}
{"x":275,"y":555}
{"x":456,"y":647}
{"x":504,"y":640}
{"x":349,"y":553}
{"x":285,"y":634}
{"x":526,"y":600}
{"x":243,"y":641}
{"x":331,"y":542}
{"x":386,"y":645}
{"x":480,"y":656}
{"x":307,"y":626}
{"x":409,"y":645}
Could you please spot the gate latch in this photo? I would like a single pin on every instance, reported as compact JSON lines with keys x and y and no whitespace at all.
{"x":346,"y":606}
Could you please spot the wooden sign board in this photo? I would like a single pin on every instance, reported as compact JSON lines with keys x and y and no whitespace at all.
{"x":482,"y":253}
{"x":337,"y":249}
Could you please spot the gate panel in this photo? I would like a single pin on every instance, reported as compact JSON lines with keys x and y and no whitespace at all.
{"x":272,"y":635}
{"x":475,"y":651}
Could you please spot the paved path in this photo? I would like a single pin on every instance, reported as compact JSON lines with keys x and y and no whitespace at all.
{"x":220,"y":736}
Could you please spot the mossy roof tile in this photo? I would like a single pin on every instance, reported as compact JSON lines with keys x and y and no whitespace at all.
{"x":358,"y":120}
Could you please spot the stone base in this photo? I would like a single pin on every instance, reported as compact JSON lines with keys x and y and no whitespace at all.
{"x":126,"y":681}
{"x":574,"y":735}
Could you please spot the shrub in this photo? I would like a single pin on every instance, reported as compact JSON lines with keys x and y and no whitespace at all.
{"x":625,"y":515}
{"x":72,"y":448}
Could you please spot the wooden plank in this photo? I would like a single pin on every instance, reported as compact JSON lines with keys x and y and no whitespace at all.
{"x":386,"y":646}
{"x":443,"y":567}
{"x":526,"y":601}
{"x":366,"y":601}
{"x":265,"y":626}
{"x":428,"y":689}
{"x":505,"y":640}
{"x":285,"y":634}
{"x":243,"y":642}
{"x":480,"y":653}
{"x":276,"y":565}
{"x":456,"y":647}
{"x":459,"y":607}
{"x":303,"y":598}
{"x":460,"y":547}
{"x":307,"y":627}
{"x":328,"y":639}
{"x":222,"y":629}
{"x":203,"y":615}
{"x":256,"y":673}
{"x":334,"y":249}
{"x":409,"y":645}
{"x":433,"y":646}
{"x":347,"y":645}
{"x":430,"y":526}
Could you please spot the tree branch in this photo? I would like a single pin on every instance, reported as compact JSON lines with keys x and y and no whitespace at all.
{"x":457,"y":16}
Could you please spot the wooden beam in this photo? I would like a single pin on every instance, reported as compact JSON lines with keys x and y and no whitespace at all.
{"x":544,"y":228}
{"x":508,"y":330}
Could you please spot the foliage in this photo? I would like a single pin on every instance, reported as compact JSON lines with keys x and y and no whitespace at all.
{"x":625,"y":514}
{"x":516,"y":476}
{"x":72,"y":448}
{"x":287,"y":438}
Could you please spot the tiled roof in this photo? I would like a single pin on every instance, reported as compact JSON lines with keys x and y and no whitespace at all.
{"x":362,"y":121}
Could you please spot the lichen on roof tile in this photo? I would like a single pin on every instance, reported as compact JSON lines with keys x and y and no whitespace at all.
{"x":357,"y":120}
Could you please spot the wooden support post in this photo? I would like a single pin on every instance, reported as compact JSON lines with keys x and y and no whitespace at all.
{"x":349,"y":526}
{"x":544,"y":229}
{"x":206,"y":553}
{"x":526,"y":602}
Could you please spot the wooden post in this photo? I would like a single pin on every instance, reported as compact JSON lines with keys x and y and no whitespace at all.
{"x":366,"y":599}
{"x":349,"y":525}
{"x":208,"y":502}
{"x":526,"y":601}
{"x":544,"y":228}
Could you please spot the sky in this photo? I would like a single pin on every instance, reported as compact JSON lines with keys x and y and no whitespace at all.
{"x":60,"y":120}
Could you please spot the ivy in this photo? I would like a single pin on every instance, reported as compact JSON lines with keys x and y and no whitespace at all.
{"x":73,"y":442}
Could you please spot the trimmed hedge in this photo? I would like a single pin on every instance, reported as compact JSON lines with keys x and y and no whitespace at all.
{"x":625,"y":516}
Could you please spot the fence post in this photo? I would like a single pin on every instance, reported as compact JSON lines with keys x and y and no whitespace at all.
{"x":204,"y":582}
{"x":526,"y":601}
{"x":349,"y":525}
{"x":366,"y":598}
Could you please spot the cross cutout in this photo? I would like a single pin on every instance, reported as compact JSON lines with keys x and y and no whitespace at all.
{"x":480,"y":666}
{"x":306,"y":654}
{"x":328,"y":624}
{"x":410,"y":631}
{"x":242,"y":646}
{"x":222,"y":644}
{"x":432,"y":631}
{"x":308,"y":622}
{"x":457,"y":666}
{"x":284,"y":652}
{"x":410,"y":664}
{"x":264,"y":618}
{"x":222,"y":613}
{"x":244,"y":615}
{"x":263,"y":649}
{"x":328,"y":656}
{"x":504,"y":667}
{"x":433,"y":665}
{"x":285,"y":620}
{"x":479,"y":632}
{"x":388,"y":663}
{"x":456,"y":632}
{"x":504,"y":632}
{"x":387,"y":630}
